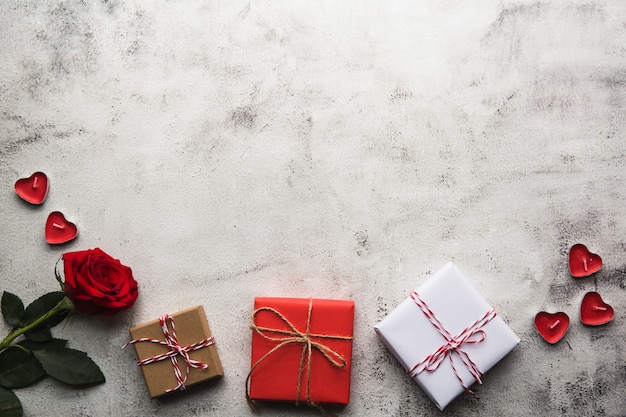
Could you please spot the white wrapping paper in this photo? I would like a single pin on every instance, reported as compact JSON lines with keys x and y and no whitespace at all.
{"x":411,"y":336}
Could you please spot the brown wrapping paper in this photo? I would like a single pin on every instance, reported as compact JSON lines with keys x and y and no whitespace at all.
{"x":191,"y":326}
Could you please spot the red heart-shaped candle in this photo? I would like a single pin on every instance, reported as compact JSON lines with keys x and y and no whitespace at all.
{"x":551,"y":326}
{"x":583,"y":263}
{"x":59,"y":229}
{"x":594,"y":311}
{"x":33,"y":189}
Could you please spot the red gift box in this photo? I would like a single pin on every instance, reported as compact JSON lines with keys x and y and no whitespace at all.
{"x":291,"y":363}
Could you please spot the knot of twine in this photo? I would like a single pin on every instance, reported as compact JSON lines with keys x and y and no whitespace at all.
{"x":453,"y":345}
{"x":174,"y":350}
{"x":306,"y":339}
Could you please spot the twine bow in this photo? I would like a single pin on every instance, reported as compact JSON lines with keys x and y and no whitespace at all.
{"x":472,"y":334}
{"x":174,"y":350}
{"x":293,"y":335}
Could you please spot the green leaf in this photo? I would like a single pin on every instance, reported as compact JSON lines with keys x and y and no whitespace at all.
{"x":10,"y":405}
{"x":70,"y":366}
{"x":19,"y":368}
{"x":41,"y":306}
{"x":12,"y":308}
{"x":48,"y":345}
{"x":57,"y":274}
{"x":39,"y":334}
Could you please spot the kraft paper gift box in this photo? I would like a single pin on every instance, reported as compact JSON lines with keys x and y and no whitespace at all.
{"x":191,"y":327}
{"x":413,"y":338}
{"x":281,"y":367}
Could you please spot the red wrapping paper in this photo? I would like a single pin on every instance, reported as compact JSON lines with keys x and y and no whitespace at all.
{"x":275,"y":378}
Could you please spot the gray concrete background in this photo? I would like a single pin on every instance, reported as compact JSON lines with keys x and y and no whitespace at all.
{"x":229,"y":149}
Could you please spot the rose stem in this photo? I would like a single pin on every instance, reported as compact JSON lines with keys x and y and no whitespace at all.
{"x":63,"y":305}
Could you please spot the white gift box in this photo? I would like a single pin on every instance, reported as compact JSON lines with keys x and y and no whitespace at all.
{"x":411,"y":336}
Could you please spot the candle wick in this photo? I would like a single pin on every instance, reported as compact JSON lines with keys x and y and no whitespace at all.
{"x":58,"y":226}
{"x":35,"y":182}
{"x":553,"y":325}
{"x":598,"y":308}
{"x":585,"y":265}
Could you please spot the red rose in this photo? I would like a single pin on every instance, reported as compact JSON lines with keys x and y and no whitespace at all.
{"x":97,"y":283}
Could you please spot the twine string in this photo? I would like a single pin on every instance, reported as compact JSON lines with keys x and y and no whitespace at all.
{"x":453,"y":346}
{"x":174,"y":349}
{"x":309,"y":342}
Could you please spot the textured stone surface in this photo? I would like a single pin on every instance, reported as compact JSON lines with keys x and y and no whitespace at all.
{"x":228,"y":149}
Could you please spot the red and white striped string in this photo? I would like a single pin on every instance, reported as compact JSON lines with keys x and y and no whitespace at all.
{"x":472,"y":334}
{"x":174,"y":349}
